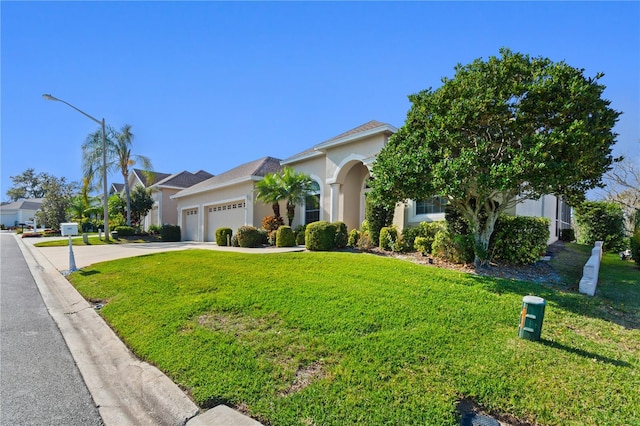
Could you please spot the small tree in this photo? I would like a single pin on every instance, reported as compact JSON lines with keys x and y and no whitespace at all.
{"x":601,"y":221}
{"x":500,"y":132}
{"x":58,"y":196}
{"x":270,"y":191}
{"x":297,"y":186}
{"x":141,"y":203}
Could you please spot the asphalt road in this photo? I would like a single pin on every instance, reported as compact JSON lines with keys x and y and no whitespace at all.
{"x":39,"y":381}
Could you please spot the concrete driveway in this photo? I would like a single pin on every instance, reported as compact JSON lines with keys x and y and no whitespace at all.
{"x":88,"y":255}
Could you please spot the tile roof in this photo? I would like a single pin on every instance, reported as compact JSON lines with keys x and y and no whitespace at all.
{"x":257,"y":168}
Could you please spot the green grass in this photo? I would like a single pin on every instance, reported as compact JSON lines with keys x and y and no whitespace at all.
{"x":94,"y":240}
{"x":618,"y":292}
{"x":342,"y":338}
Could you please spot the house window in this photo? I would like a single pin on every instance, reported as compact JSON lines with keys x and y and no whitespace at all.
{"x":312,"y":204}
{"x":431,"y":205}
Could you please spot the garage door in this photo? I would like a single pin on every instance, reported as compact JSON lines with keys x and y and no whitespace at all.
{"x":190,"y":220}
{"x":227,"y":215}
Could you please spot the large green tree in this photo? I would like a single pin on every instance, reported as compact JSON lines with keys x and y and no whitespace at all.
{"x":499,"y":132}
{"x":119,"y":157}
{"x":58,"y":196}
{"x":28,"y":184}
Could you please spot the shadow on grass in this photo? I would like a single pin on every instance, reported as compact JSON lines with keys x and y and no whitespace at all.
{"x":584,"y":354}
{"x":600,"y":307}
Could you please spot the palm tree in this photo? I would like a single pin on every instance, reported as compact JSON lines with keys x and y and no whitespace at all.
{"x":271,"y":191}
{"x":297,"y":186}
{"x":125,"y":160}
{"x":119,"y":157}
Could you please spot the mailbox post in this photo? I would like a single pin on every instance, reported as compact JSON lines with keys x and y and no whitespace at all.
{"x":70,"y":229}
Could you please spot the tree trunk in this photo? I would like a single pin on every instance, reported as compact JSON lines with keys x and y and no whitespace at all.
{"x":482,"y":231}
{"x":276,"y":210}
{"x":127,"y":192}
{"x":291,"y":211}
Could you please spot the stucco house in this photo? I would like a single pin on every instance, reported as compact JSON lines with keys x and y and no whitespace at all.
{"x":225,"y":200}
{"x":163,"y":186}
{"x":340,"y":168}
{"x":19,"y":211}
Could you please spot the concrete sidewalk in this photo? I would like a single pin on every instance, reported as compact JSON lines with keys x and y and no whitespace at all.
{"x":126,"y":390}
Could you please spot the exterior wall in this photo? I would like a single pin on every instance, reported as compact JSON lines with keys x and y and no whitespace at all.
{"x":12,"y":218}
{"x":341,"y":174}
{"x":168,"y":207}
{"x":547,"y":206}
{"x":252,"y":214}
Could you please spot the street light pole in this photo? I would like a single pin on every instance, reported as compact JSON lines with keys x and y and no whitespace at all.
{"x":104,"y":160}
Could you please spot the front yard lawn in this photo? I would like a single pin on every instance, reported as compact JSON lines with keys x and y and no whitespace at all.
{"x":343,"y":338}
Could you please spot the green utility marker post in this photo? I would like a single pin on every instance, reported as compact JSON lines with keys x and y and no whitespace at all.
{"x":531,"y":318}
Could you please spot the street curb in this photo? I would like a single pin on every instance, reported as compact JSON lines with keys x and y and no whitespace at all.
{"x":125,"y":390}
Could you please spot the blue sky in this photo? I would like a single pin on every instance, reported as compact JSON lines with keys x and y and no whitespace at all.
{"x":212,"y":85}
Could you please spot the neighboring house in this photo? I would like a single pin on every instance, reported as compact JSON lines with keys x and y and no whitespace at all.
{"x":19,"y":211}
{"x":163,"y":186}
{"x":225,"y":200}
{"x":116,"y":188}
{"x":340,"y":168}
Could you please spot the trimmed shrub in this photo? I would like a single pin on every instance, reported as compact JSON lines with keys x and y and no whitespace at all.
{"x":320,"y":236}
{"x":234,"y":241}
{"x":249,"y":236}
{"x":285,"y":237}
{"x":378,"y":216}
{"x":223,"y":236}
{"x":426,"y":230}
{"x":423,"y":244}
{"x":154,"y":229}
{"x":125,"y":231}
{"x":601,"y":221}
{"x":342,"y":236}
{"x":354,"y":237}
{"x":170,"y":233}
{"x":388,"y":237}
{"x":453,"y":248}
{"x":567,"y":235}
{"x":272,"y":223}
{"x":519,"y":240}
{"x":266,"y":236}
{"x":300,"y":237}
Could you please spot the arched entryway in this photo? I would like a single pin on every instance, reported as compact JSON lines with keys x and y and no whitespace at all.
{"x":350,"y":182}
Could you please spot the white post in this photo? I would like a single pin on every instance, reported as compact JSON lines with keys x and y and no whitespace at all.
{"x":72,"y":260}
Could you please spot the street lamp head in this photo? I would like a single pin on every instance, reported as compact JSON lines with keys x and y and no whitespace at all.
{"x":50,"y":98}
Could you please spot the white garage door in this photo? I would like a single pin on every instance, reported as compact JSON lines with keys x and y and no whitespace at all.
{"x":190,"y":220}
{"x":227,"y":215}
